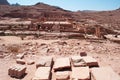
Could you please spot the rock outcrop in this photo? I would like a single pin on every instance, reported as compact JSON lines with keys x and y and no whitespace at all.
{"x":4,"y":2}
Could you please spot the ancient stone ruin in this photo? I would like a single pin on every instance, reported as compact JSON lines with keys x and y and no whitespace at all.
{"x":50,"y":28}
{"x":65,"y":68}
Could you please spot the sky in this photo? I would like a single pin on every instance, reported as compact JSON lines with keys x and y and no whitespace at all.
{"x":75,"y":5}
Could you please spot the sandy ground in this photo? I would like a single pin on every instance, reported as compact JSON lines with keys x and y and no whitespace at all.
{"x":106,"y":52}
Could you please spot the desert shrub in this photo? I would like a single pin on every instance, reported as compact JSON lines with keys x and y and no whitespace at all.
{"x":13,"y":48}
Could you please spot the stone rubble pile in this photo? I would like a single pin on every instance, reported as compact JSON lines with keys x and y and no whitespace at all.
{"x":63,"y":48}
{"x":65,"y":68}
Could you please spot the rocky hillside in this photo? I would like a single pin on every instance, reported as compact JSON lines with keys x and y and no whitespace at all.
{"x":4,"y":2}
{"x":109,"y":17}
{"x":35,"y":11}
{"x":39,"y":10}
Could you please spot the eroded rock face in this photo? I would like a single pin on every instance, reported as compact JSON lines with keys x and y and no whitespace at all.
{"x":4,"y":2}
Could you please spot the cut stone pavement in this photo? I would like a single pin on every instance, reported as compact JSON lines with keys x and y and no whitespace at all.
{"x":62,"y":63}
{"x":42,"y":73}
{"x":104,"y":73}
{"x":80,"y":73}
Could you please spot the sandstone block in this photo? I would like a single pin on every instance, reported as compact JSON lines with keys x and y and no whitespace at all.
{"x":42,"y":73}
{"x":62,"y":64}
{"x":30,"y":62}
{"x":76,"y":58}
{"x":21,"y":71}
{"x":77,"y":61}
{"x":90,"y":61}
{"x":83,"y":54}
{"x":80,"y":73}
{"x":62,"y":75}
{"x":11,"y":70}
{"x":20,"y":56}
{"x":104,"y":73}
{"x":20,"y":61}
{"x":17,"y":71}
{"x":46,"y":61}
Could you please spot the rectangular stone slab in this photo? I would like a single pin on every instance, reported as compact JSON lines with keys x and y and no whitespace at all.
{"x":62,"y":75}
{"x":77,"y":61}
{"x":104,"y":73}
{"x":90,"y":61}
{"x":76,"y":58}
{"x":42,"y":73}
{"x":62,"y":63}
{"x":17,"y":71}
{"x":80,"y":73}
{"x":20,"y":61}
{"x":46,"y":61}
{"x":20,"y":56}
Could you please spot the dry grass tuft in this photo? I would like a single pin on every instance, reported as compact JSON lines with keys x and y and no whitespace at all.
{"x":13,"y":48}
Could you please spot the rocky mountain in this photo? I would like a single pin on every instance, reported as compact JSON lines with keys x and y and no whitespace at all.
{"x":109,"y":17}
{"x":40,"y":10}
{"x":4,"y":2}
{"x":35,"y":11}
